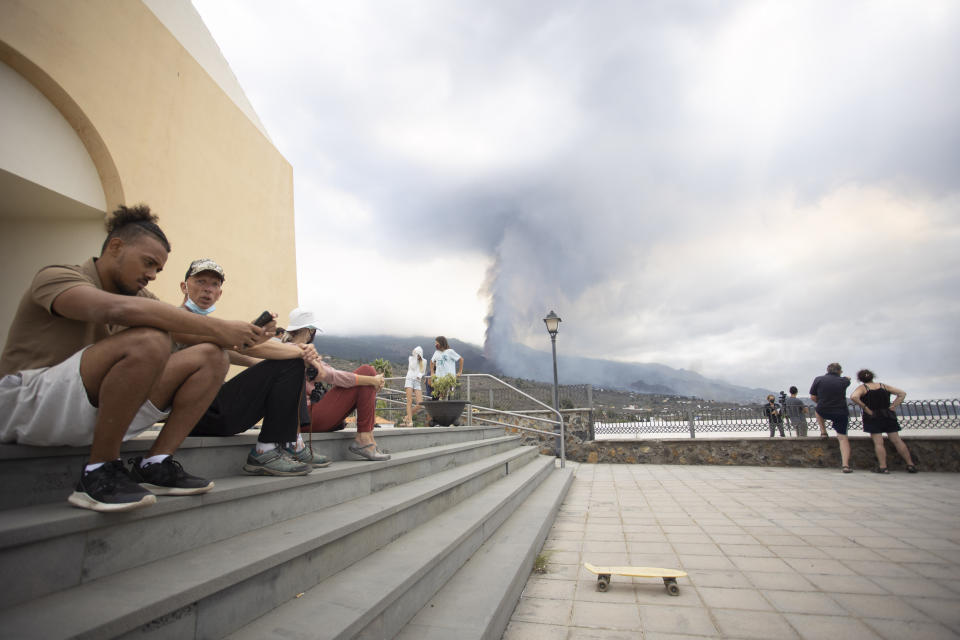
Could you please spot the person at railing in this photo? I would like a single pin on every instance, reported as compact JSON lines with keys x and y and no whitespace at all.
{"x":346,"y":392}
{"x":416,"y":367}
{"x":796,"y":412}
{"x":880,"y":417}
{"x":829,"y":392}
{"x":774,"y":416}
{"x":445,"y":361}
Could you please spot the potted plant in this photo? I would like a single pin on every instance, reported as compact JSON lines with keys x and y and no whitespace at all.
{"x":444,"y":412}
{"x":385,"y":368}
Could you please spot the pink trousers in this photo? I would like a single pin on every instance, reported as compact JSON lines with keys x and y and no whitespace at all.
{"x":337,"y":403}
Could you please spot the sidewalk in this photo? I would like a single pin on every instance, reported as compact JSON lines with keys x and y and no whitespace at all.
{"x":770,"y":553}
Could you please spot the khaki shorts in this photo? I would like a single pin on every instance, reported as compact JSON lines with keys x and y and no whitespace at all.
{"x":49,"y":407}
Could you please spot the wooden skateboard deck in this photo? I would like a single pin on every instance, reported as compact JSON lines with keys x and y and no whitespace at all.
{"x":669,"y":576}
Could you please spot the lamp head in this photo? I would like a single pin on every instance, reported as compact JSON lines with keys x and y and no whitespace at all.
{"x":553,"y":323}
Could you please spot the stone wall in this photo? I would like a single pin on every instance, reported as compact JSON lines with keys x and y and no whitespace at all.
{"x":930,"y":453}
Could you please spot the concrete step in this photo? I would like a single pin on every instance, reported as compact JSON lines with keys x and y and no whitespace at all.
{"x":376,"y":596}
{"x":36,"y":475}
{"x":494,"y":577}
{"x":215,"y":588}
{"x":56,"y":546}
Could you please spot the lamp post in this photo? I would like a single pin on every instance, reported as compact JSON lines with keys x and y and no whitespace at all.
{"x":553,"y":325}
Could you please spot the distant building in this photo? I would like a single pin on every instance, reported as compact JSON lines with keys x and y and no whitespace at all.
{"x":108,"y":102}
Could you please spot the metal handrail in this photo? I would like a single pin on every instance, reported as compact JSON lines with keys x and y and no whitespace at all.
{"x":520,"y":414}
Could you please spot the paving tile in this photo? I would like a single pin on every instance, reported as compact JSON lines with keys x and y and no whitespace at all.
{"x":676,"y":620}
{"x":604,"y":546}
{"x":780,"y":581}
{"x":542,"y":610}
{"x":519,"y":630}
{"x":762,"y":564}
{"x":725,"y":538}
{"x":882,"y":542}
{"x":661,"y":635}
{"x":580,"y":633}
{"x":939,"y":569}
{"x":606,"y":559}
{"x":906,"y":555}
{"x":753,"y":624}
{"x":700,"y":549}
{"x":803,"y":602}
{"x":724,"y":598}
{"x":797,"y":551}
{"x":882,"y":569}
{"x":623,"y":616}
{"x":857,"y":553}
{"x":813,"y":627}
{"x":560,"y":572}
{"x":650,"y":547}
{"x":550,"y":589}
{"x":631,"y":536}
{"x":692,"y":562}
{"x":826,"y":566}
{"x":875,"y":606}
{"x":845,"y":584}
{"x":654,"y":594}
{"x":713,"y":578}
{"x":943,"y":610}
{"x":910,"y":630}
{"x":665,"y":560}
{"x":746,"y":550}
{"x":947,"y":586}
{"x":562,"y":545}
{"x":688,"y":538}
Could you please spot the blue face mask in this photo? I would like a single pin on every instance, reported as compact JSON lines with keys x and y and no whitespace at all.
{"x":192,"y":306}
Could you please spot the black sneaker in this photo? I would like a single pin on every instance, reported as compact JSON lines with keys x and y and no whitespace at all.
{"x":167,"y":478}
{"x":110,"y":488}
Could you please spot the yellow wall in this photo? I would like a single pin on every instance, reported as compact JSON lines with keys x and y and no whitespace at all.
{"x":159,"y":130}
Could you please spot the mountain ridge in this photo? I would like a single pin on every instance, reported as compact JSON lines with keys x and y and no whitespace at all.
{"x":648,"y":378}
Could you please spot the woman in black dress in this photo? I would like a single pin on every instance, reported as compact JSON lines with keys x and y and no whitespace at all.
{"x":879,"y":417}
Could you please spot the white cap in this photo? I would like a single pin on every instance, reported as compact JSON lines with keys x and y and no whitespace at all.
{"x":302,"y":319}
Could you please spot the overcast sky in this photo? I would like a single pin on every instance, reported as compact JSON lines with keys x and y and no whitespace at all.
{"x":749,"y":190}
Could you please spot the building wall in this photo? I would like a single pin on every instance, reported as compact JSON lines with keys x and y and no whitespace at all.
{"x":157,"y":128}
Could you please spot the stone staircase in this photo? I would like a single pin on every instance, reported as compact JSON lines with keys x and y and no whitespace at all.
{"x":436,"y":542}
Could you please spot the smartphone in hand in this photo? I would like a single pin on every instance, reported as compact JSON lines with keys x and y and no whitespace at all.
{"x":263,"y":319}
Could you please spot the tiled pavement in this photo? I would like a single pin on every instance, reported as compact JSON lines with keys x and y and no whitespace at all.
{"x":770,"y":553}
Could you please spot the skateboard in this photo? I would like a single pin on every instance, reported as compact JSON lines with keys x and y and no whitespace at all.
{"x":669,"y":575}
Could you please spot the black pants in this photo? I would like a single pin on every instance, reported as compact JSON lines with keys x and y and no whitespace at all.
{"x":271,"y":390}
{"x":776,"y":425}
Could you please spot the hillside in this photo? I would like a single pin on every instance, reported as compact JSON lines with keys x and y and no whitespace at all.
{"x":644,"y":378}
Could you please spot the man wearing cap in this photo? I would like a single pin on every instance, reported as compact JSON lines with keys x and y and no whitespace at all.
{"x":269,"y":389}
{"x":87,"y":362}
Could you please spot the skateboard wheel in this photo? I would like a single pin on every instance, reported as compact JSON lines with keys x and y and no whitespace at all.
{"x":673,"y":589}
{"x":603,"y":582}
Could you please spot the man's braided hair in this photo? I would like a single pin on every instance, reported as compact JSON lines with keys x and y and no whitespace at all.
{"x":127,"y":223}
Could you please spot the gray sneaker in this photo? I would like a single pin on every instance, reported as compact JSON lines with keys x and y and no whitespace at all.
{"x":308,"y":456}
{"x":274,"y":463}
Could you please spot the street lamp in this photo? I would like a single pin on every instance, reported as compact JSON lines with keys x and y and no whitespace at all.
{"x":553,"y":325}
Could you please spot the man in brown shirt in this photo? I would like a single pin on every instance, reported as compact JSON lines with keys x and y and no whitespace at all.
{"x":87,"y":361}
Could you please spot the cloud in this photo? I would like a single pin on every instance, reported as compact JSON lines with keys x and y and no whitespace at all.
{"x":747,"y":189}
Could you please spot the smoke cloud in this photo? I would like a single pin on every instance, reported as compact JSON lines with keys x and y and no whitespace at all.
{"x":747,"y":190}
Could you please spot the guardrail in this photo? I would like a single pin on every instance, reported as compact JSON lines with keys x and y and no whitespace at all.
{"x":504,"y":398}
{"x":941,"y":415}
